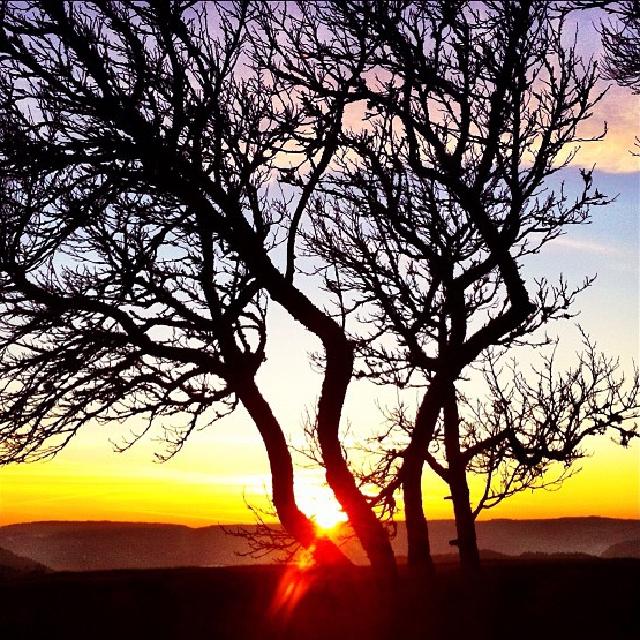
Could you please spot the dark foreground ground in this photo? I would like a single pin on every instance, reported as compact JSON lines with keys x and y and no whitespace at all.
{"x":573,"y":599}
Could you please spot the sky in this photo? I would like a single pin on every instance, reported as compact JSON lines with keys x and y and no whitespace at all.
{"x":218,"y":469}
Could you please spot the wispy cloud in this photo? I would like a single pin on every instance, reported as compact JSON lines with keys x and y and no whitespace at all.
{"x":593,"y":246}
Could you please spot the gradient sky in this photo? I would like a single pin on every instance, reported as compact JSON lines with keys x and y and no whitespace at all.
{"x":208,"y":480}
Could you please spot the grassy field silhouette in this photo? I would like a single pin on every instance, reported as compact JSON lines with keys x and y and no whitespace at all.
{"x":588,"y":598}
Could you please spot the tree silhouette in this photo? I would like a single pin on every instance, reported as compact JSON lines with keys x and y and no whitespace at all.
{"x":435,"y":204}
{"x":528,"y":430}
{"x":140,"y":236}
{"x":621,"y":41}
{"x":163,"y":165}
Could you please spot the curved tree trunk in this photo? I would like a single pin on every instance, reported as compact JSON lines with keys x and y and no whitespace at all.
{"x":296,"y":523}
{"x":242,"y":379}
{"x":465,"y":522}
{"x":280,"y":462}
{"x":370,"y":531}
{"x":337,"y":375}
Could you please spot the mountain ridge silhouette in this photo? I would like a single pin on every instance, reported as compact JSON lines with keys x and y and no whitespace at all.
{"x":104,"y":545}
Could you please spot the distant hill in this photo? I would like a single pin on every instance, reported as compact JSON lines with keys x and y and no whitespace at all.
{"x":626,"y":549}
{"x":79,"y":546}
{"x":12,"y":563}
{"x":590,"y":535}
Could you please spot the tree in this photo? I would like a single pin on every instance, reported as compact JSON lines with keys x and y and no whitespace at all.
{"x":621,"y":41}
{"x":140,"y":236}
{"x":529,"y":430}
{"x":433,"y":207}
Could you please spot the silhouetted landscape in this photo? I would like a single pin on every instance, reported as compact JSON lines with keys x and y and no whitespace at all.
{"x":577,"y":598}
{"x":13,"y":564}
{"x":194,"y":194}
{"x":97,"y":546}
{"x":94,"y":591}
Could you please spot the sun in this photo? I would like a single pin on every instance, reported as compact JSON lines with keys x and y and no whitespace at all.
{"x":320,"y":505}
{"x":328,"y":517}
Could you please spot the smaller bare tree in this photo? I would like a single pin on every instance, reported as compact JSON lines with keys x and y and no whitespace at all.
{"x":529,"y":431}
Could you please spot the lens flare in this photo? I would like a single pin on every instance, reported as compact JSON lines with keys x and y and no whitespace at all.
{"x":321,"y":506}
{"x":293,"y":585}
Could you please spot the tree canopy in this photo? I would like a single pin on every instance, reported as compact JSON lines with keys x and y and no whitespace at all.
{"x":164,"y":166}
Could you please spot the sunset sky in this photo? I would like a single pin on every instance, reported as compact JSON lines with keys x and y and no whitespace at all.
{"x":205,"y":483}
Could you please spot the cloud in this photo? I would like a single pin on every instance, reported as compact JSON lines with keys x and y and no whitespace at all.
{"x":621,"y":111}
{"x":592,"y":246}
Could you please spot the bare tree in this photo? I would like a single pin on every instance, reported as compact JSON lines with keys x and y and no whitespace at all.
{"x":528,"y":431}
{"x":432,"y":209}
{"x":140,"y":236}
{"x":545,"y":416}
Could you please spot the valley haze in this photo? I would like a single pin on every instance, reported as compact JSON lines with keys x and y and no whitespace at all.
{"x":103,"y":545}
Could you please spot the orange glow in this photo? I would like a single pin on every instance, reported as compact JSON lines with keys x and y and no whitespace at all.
{"x":320,"y":505}
{"x":205,"y":484}
{"x":328,"y":518}
{"x":295,"y":582}
{"x":306,"y":558}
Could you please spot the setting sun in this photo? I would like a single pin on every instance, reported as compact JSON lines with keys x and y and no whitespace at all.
{"x":322,"y":507}
{"x":328,"y":517}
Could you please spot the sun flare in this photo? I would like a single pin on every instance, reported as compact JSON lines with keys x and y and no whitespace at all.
{"x":321,"y":506}
{"x":328,"y":517}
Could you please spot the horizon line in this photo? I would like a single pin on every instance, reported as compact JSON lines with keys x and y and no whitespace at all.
{"x":275,"y":522}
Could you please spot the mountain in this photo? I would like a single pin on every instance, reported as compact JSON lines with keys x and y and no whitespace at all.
{"x":626,"y":549}
{"x":592,"y":535}
{"x":81,"y":546}
{"x":10,"y":563}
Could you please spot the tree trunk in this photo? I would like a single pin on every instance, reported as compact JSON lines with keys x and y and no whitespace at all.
{"x":418,"y":545}
{"x":296,"y":523}
{"x":242,"y":380}
{"x":465,"y":522}
{"x":457,"y":478}
{"x":337,"y":375}
{"x":370,"y":531}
